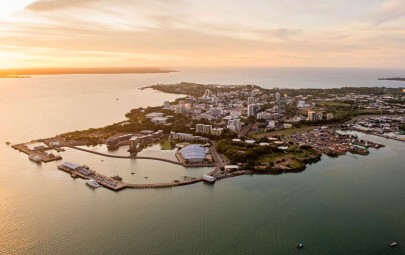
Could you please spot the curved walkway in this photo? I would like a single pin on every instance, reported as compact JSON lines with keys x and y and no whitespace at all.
{"x":151,"y":185}
{"x":129,"y":157}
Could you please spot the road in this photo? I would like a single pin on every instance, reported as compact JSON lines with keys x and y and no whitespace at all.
{"x":219,"y":162}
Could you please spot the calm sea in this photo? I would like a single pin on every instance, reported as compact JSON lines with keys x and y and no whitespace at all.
{"x":346,"y":205}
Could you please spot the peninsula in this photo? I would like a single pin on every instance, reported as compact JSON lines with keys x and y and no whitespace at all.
{"x":240,"y":129}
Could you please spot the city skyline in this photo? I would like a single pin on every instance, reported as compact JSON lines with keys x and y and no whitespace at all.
{"x":100,"y":33}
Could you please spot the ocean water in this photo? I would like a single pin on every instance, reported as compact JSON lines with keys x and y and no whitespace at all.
{"x":347,"y":205}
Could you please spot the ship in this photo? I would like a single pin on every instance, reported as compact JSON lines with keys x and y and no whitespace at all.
{"x":35,"y":158}
{"x":209,"y":178}
{"x":92,"y":183}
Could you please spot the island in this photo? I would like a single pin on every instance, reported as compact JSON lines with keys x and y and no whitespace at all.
{"x":238,"y":130}
{"x":392,"y":79}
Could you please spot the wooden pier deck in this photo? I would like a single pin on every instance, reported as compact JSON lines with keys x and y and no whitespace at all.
{"x":103,"y":180}
{"x":44,"y":157}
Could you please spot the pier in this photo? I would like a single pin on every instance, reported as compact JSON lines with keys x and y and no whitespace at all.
{"x":45,"y":157}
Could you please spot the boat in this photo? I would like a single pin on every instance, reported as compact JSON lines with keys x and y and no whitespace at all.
{"x":93,"y":183}
{"x":393,"y":244}
{"x":146,"y":177}
{"x":117,"y":178}
{"x":300,"y":246}
{"x":132,"y":173}
{"x":209,"y":178}
{"x":35,"y":158}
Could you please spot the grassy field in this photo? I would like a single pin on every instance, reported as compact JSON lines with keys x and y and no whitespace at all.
{"x":166,"y":145}
{"x":285,"y":132}
{"x":332,"y":104}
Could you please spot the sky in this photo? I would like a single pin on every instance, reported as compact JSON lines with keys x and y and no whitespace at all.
{"x":215,"y":33}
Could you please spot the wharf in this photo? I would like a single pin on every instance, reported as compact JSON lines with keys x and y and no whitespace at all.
{"x":41,"y":153}
{"x":103,"y":180}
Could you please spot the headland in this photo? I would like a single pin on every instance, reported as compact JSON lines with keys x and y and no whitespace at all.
{"x":240,"y":129}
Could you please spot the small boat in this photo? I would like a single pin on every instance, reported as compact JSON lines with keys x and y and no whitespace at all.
{"x":117,"y":178}
{"x":35,"y":158}
{"x":92,"y":183}
{"x":300,"y":246}
{"x":8,"y":143}
{"x":209,"y":178}
{"x":393,"y":244}
{"x":132,"y":173}
{"x":146,"y":177}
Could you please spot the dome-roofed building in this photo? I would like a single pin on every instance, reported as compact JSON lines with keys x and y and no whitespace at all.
{"x":193,"y":153}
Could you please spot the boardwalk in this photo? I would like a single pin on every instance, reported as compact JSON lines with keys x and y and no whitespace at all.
{"x":128,"y":157}
{"x":150,"y":158}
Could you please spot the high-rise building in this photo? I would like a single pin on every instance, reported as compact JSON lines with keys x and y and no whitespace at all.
{"x":199,"y":128}
{"x":234,"y":125}
{"x":281,"y":105}
{"x":251,"y":100}
{"x":251,"y":110}
{"x":312,"y":115}
{"x":207,"y":129}
{"x":277,"y":96}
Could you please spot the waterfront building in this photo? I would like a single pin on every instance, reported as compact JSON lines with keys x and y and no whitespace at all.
{"x":193,"y":153}
{"x":153,"y":115}
{"x":188,"y":137}
{"x":159,"y":120}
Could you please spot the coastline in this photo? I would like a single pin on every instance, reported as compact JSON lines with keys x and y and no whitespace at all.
{"x":28,"y":72}
{"x":278,"y":169}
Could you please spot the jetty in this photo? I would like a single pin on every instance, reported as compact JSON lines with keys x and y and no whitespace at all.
{"x":41,"y":151}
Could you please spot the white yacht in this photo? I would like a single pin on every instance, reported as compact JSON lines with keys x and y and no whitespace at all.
{"x":209,"y":178}
{"x":93,"y":183}
{"x":35,"y":157}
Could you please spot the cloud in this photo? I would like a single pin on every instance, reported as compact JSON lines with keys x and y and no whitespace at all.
{"x":390,"y":10}
{"x":51,"y":5}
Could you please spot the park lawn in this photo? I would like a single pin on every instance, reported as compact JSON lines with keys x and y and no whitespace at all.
{"x":166,"y":145}
{"x":284,"y":132}
{"x":273,"y":157}
{"x":332,"y":104}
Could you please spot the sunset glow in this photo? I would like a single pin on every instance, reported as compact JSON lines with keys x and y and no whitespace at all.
{"x":176,"y":33}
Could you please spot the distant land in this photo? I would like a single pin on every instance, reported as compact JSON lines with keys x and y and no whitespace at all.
{"x":392,"y":79}
{"x":14,"y":76}
{"x":25,"y":72}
